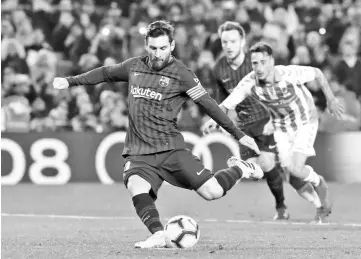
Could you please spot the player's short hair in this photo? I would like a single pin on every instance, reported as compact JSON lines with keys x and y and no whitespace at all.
{"x":261,"y":47}
{"x":230,"y":26}
{"x":160,"y":28}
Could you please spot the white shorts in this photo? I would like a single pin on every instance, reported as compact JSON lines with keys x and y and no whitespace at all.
{"x":300,"y":141}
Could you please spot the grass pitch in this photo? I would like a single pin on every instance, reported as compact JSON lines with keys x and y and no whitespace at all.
{"x":98,"y":221}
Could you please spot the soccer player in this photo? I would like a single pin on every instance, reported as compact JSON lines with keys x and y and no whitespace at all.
{"x":154,"y":149}
{"x":253,"y":117}
{"x":293,"y":113}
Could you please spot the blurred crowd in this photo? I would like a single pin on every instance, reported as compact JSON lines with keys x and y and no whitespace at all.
{"x":41,"y":39}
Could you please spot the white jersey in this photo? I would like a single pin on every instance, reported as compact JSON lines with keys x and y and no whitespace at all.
{"x":290,"y":102}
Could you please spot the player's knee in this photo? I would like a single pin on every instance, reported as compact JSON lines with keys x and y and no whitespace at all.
{"x":297,"y":183}
{"x":267,"y":161}
{"x":296,"y":170}
{"x":211,"y":190}
{"x":137,"y":185}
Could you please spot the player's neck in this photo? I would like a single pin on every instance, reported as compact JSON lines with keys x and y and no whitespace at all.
{"x":350,"y":60}
{"x":237,"y":61}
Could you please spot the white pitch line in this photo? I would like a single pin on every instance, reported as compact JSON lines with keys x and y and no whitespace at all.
{"x":293,"y":223}
{"x":66,"y":216}
{"x":80,"y":217}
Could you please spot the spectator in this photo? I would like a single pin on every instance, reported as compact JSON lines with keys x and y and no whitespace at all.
{"x":15,"y":113}
{"x":349,"y":66}
{"x":59,"y":116}
{"x":7,"y":29}
{"x":318,"y":50}
{"x":276,"y":35}
{"x":204,"y":71}
{"x":13,"y":55}
{"x":351,"y":120}
{"x":302,"y":56}
{"x":64,"y":37}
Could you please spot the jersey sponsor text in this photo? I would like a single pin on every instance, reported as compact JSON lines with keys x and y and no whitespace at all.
{"x":147,"y":93}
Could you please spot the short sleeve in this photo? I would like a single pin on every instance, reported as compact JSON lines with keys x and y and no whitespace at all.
{"x":301,"y":74}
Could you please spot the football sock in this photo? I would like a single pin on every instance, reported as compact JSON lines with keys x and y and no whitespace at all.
{"x":312,"y":177}
{"x":275,"y":184}
{"x":147,"y":212}
{"x":228,"y":177}
{"x":306,"y":191}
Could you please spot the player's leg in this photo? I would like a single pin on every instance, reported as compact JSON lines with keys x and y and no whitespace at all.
{"x":294,"y":151}
{"x":143,"y":184}
{"x":225,"y":179}
{"x":302,"y":149}
{"x":275,"y":183}
{"x":299,"y":169}
{"x":189,"y":172}
{"x":306,"y":191}
{"x":273,"y":173}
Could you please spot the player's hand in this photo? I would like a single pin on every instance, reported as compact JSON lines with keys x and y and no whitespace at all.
{"x":60,"y":83}
{"x":249,"y":142}
{"x":209,"y":127}
{"x":336,"y":108}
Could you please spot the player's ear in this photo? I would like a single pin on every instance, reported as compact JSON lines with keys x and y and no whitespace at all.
{"x":272,"y":61}
{"x":243,"y":43}
{"x":172,"y":45}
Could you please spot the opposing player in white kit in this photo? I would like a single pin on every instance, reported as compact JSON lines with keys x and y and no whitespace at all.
{"x":293,"y":112}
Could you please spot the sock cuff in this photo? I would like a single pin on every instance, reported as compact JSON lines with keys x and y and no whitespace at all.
{"x":142,"y":197}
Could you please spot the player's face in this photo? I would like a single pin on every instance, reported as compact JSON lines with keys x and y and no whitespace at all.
{"x":159,"y":50}
{"x":232,"y":43}
{"x":262,"y":64}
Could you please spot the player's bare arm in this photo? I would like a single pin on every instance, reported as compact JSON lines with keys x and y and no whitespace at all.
{"x":335,"y":107}
{"x":115,"y":73}
{"x":305,"y":74}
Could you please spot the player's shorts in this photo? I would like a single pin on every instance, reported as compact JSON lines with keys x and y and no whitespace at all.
{"x":301,"y":141}
{"x":265,"y":143}
{"x":177,"y":167}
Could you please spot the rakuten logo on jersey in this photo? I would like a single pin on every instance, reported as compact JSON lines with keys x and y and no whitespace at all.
{"x":145,"y":93}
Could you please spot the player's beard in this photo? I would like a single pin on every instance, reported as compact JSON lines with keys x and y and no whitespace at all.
{"x":232,"y":59}
{"x":158,"y":64}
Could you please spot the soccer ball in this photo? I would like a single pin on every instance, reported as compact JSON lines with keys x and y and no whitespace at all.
{"x":182,"y":232}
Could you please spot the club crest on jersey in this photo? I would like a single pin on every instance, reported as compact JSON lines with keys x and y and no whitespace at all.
{"x":283,"y":86}
{"x":164,"y":81}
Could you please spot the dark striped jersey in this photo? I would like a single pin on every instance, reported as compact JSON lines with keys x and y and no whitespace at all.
{"x":155,"y":98}
{"x":250,"y":112}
